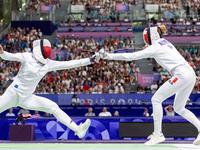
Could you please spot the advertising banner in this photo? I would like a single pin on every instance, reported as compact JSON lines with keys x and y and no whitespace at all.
{"x":77,"y":8}
{"x":46,"y":9}
{"x":152,"y":7}
{"x":147,"y":79}
{"x":122,"y":8}
{"x":61,"y":53}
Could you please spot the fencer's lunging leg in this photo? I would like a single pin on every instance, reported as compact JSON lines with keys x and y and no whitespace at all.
{"x":65,"y":119}
{"x":34,"y":102}
{"x":180,"y":102}
{"x":8,"y":99}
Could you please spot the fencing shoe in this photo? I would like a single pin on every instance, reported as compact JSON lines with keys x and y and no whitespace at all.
{"x":155,"y":139}
{"x":197,"y":141}
{"x":82,"y":128}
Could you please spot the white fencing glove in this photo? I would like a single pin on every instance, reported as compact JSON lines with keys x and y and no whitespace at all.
{"x":102,"y":53}
{"x":95,"y":58}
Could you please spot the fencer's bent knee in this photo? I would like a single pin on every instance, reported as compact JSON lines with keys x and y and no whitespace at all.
{"x":178,"y":109}
{"x":157,"y":99}
{"x":54,"y":108}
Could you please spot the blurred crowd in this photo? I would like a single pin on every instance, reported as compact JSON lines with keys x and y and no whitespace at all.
{"x":105,"y":77}
{"x":103,"y":8}
{"x":165,"y":4}
{"x":192,"y":7}
{"x":34,"y":5}
{"x":20,"y":40}
{"x":75,"y":44}
{"x":180,"y":27}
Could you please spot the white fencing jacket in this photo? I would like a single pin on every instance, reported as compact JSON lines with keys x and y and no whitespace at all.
{"x":32,"y":71}
{"x":161,"y":50}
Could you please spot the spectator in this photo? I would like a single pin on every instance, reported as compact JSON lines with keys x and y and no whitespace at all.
{"x":195,"y":90}
{"x":100,"y":23}
{"x":188,"y":10}
{"x":91,"y":29}
{"x":132,"y":91}
{"x":86,"y":102}
{"x":100,"y":41}
{"x":43,"y":90}
{"x":90,"y":113}
{"x":36,"y":115}
{"x":116,"y":29}
{"x":160,"y":81}
{"x":27,"y":49}
{"x":118,"y":15}
{"x":58,"y":57}
{"x":108,"y":29}
{"x":23,"y":111}
{"x":75,"y":100}
{"x":84,"y":29}
{"x":129,"y":29}
{"x":169,"y":112}
{"x":119,"y":88}
{"x":70,"y":29}
{"x":86,"y":24}
{"x":88,"y":7}
{"x":154,"y":87}
{"x":10,"y":113}
{"x":188,"y":102}
{"x":145,"y":114}
{"x":86,"y":87}
{"x":139,"y":87}
{"x":116,"y":114}
{"x":105,"y":113}
{"x":112,"y":17}
{"x":144,"y":102}
{"x":78,"y":24}
{"x":47,"y":114}
{"x":193,"y":50}
{"x":57,"y":42}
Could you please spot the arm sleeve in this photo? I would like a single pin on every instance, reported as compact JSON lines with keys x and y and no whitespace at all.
{"x":146,"y":53}
{"x":57,"y":65}
{"x":14,"y":57}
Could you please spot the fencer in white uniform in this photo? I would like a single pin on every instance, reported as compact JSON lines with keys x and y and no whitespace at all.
{"x":181,"y":83}
{"x":33,"y":68}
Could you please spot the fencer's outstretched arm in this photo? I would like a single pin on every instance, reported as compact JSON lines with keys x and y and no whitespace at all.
{"x":10,"y":56}
{"x":146,"y":53}
{"x":60,"y":65}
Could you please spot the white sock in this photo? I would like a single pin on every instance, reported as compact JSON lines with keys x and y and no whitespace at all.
{"x":157,"y":117}
{"x":65,"y":119}
{"x":185,"y":113}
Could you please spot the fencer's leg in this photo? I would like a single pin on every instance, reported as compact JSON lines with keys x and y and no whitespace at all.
{"x":166,"y":90}
{"x":65,"y":119}
{"x":34,"y":102}
{"x":8,"y":99}
{"x":179,"y":106}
